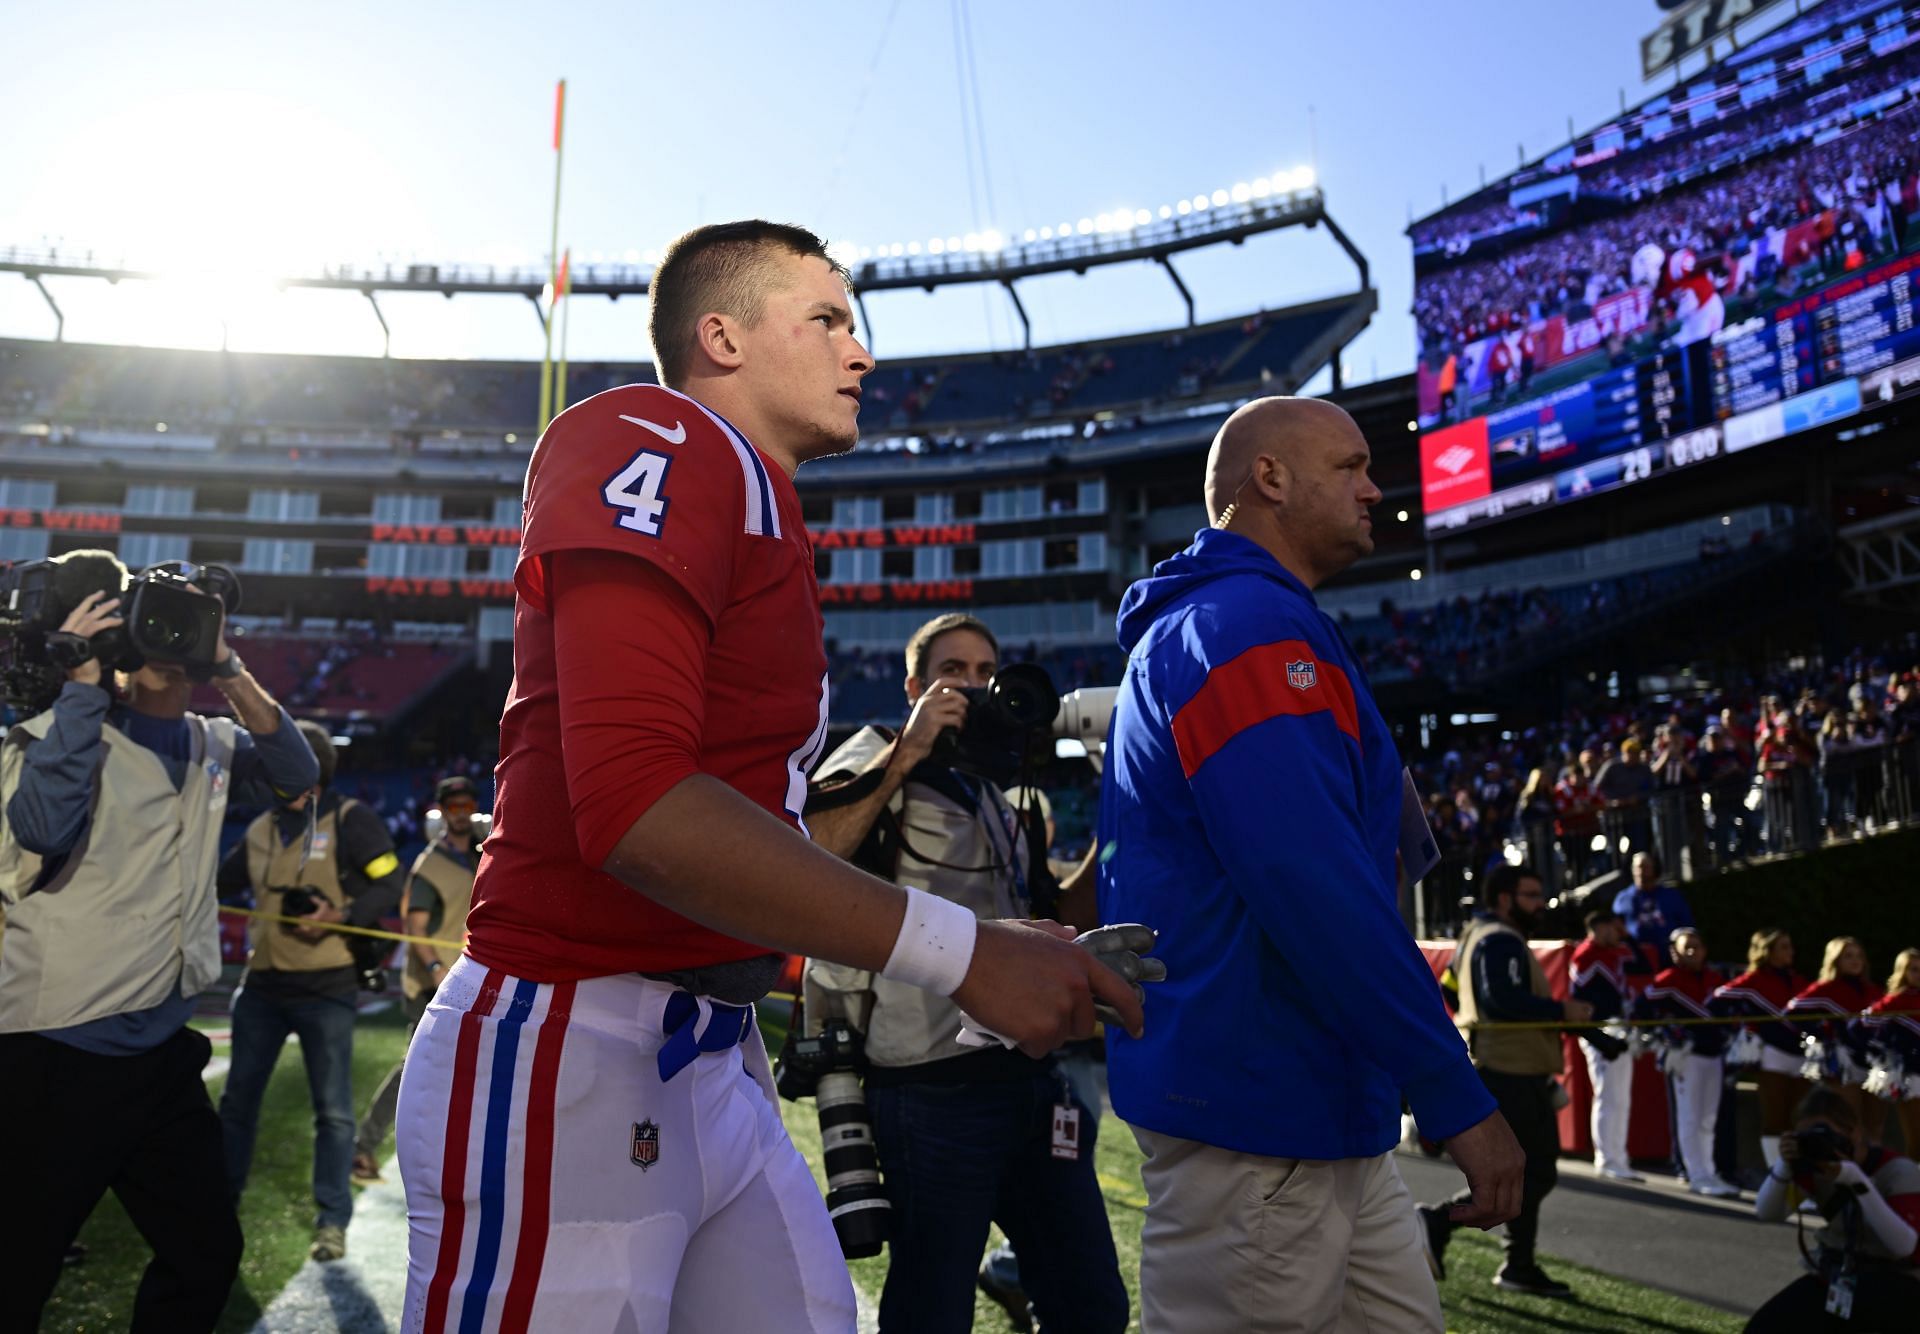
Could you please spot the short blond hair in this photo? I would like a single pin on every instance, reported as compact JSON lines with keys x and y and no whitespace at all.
{"x":1830,"y":961}
{"x":1901,"y":962}
{"x":1761,"y":946}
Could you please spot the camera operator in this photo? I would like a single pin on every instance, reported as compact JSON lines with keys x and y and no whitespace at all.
{"x":1868,"y":1249}
{"x":113,"y":806}
{"x":965,"y":1138}
{"x":328,"y":860}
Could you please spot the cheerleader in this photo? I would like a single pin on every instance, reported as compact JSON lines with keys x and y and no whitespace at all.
{"x":1691,"y":1057}
{"x":1893,"y":1029}
{"x":1833,"y":1056}
{"x":1763,"y":992}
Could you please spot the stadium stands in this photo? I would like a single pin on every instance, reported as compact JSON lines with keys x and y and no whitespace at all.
{"x":359,"y":677}
{"x":253,"y":398}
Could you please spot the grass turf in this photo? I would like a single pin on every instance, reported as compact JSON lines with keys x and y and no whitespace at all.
{"x":276,"y":1213}
{"x":276,"y":1216}
{"x":1471,"y":1302}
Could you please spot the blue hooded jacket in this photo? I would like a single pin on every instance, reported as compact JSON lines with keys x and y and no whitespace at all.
{"x":1250,"y":812}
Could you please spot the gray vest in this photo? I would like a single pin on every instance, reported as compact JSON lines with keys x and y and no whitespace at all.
{"x":905,"y":1025}
{"x":132,"y":910}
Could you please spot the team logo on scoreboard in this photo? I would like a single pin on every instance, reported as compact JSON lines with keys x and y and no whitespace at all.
{"x":1302,"y":675}
{"x":1451,"y":461}
{"x":646,"y":1145}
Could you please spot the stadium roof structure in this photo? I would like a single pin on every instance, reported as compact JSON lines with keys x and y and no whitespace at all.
{"x":1224,"y":218}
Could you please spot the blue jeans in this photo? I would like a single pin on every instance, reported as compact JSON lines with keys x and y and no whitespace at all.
{"x":260,"y":1028}
{"x":957,"y":1158}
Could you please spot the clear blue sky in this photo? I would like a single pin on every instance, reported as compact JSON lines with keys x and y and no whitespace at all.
{"x":246,"y":137}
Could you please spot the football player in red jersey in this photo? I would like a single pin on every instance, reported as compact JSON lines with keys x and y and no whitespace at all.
{"x":587,"y":1131}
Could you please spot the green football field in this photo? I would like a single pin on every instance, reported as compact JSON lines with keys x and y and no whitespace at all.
{"x":276,"y":1215}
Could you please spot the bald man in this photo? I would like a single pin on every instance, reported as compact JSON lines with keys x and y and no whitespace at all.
{"x":1251,"y":806}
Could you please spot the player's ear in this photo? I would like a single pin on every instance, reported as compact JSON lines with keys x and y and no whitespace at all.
{"x":717,"y":336}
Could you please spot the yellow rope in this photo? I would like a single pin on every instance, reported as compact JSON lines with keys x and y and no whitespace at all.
{"x":341,"y":927}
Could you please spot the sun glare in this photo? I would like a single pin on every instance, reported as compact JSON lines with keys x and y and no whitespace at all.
{"x":221,"y":193}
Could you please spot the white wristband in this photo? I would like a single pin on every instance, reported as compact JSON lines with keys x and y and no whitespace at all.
{"x":935,"y":945}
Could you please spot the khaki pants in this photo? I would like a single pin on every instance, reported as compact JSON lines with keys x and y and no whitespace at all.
{"x":1238,"y":1243}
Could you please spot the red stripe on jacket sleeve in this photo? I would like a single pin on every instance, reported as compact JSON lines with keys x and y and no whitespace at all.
{"x":1254,"y":687}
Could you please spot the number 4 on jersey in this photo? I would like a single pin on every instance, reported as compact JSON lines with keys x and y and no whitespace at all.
{"x":636,"y":489}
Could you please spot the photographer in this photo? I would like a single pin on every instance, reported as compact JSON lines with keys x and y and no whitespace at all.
{"x":1867,"y":1251}
{"x":113,"y":804}
{"x":328,"y":860}
{"x":965,"y":1137}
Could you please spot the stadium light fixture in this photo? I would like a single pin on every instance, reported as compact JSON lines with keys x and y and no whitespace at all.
{"x":953,"y":244}
{"x":1183,"y":208}
{"x":1030,"y":235}
{"x":633,"y":257}
{"x":1142,"y":217}
{"x":992,"y":242}
{"x":913,"y":248}
{"x":1199,"y":203}
{"x":1220,"y":198}
{"x":1262,"y":187}
{"x":970,"y":242}
{"x":936,"y":246}
{"x":1166,"y":211}
{"x":1414,"y":574}
{"x":1046,"y":234}
{"x":1086,"y":227}
{"x":1242,"y":192}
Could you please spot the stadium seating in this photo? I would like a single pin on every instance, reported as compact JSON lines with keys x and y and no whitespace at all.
{"x":343,"y":680}
{"x":258,"y":396}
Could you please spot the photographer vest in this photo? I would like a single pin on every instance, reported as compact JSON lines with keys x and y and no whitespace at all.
{"x":454,"y":884}
{"x":1507,"y":1051}
{"x":963,"y":846}
{"x":132,"y":911}
{"x":275,"y":867}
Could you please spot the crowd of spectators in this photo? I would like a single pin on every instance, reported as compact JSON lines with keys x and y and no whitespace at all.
{"x":1810,"y":754}
{"x":1689,"y":147}
{"x":1862,"y":189}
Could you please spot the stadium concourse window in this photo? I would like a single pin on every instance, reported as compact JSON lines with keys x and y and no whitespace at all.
{"x":966,"y":504}
{"x":23,"y":544}
{"x":275,"y":556}
{"x":20,"y":493}
{"x":406,"y":507}
{"x":276,"y":504}
{"x":897,"y":506}
{"x":897,"y":563}
{"x":139,"y":550}
{"x":933,"y":507}
{"x":396,"y":560}
{"x":966,"y":561}
{"x":930,"y":563}
{"x":856,"y":512}
{"x":171,"y":500}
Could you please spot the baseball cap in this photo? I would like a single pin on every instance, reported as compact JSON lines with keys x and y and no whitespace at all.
{"x":455,"y":786}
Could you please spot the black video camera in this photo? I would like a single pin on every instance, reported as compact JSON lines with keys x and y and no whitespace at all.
{"x":172,"y":611}
{"x":299,"y":901}
{"x":827,"y":1068}
{"x":1002,"y":719}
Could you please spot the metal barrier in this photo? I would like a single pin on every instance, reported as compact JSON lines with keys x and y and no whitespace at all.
{"x":1696,"y":831}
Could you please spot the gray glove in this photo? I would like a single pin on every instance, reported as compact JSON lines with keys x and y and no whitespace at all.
{"x":1121,"y":947}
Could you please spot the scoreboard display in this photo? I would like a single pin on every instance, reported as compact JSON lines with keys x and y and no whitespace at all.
{"x":1687,"y":288}
{"x":1815,"y":360}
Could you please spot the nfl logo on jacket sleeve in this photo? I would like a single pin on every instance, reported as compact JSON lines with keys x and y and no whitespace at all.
{"x":1301,"y":675}
{"x":646,"y":1145}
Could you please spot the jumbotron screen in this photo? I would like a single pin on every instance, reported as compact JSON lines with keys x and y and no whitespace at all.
{"x":1726,"y":265}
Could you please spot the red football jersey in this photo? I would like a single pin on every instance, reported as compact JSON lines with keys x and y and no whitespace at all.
{"x":645,"y":471}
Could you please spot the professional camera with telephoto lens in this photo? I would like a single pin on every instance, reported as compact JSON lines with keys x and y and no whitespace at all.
{"x":1016,"y":711}
{"x":827,"y":1068}
{"x":172,"y":611}
{"x":1820,"y":1145}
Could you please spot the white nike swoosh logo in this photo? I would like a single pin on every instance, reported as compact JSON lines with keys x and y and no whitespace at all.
{"x":676,"y":436}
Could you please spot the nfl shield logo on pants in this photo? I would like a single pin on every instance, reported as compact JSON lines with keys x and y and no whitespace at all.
{"x":1301,"y":675}
{"x":646,"y":1145}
